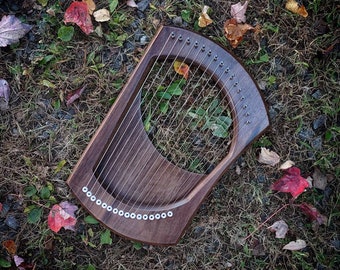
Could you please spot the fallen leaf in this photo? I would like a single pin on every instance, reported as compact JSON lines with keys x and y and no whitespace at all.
{"x":313,"y":213}
{"x":20,"y":263}
{"x":182,"y":69}
{"x":131,"y":3}
{"x":268,"y":157}
{"x":319,"y":179}
{"x":10,"y":246}
{"x":4,"y":94}
{"x":62,"y":216}
{"x":291,"y":182}
{"x":78,"y":13}
{"x":51,"y":12}
{"x":295,"y":245}
{"x":287,"y":164}
{"x":91,"y":6}
{"x":310,"y":181}
{"x":238,"y":170}
{"x":204,"y":20}
{"x":280,"y":228}
{"x":296,"y":8}
{"x":18,"y":260}
{"x":102,"y":15}
{"x":11,"y":30}
{"x":234,"y":32}
{"x":238,"y":11}
{"x":71,"y":97}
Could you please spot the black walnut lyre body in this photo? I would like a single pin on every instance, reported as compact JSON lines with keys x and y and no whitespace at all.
{"x":124,"y":181}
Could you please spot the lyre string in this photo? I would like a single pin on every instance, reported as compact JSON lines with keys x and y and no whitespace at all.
{"x":146,"y":149}
{"x":151,"y":177}
{"x":112,"y":139}
{"x":166,"y":197}
{"x":165,"y":168}
{"x":123,"y":148}
{"x":222,"y":111}
{"x":198,"y":154}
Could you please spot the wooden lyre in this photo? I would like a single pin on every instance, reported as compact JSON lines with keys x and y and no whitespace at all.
{"x":125,"y":180}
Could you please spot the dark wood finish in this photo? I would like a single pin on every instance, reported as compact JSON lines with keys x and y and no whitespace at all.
{"x":152,"y":185}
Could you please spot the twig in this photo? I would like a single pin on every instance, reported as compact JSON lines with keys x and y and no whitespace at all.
{"x":264,"y":222}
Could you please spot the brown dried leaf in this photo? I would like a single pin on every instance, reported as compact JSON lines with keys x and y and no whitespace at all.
{"x":319,"y":179}
{"x":280,"y":228}
{"x":71,"y":97}
{"x":295,"y":245}
{"x":91,"y":6}
{"x":268,"y":157}
{"x":204,"y":20}
{"x":234,"y":32}
{"x":296,"y":8}
{"x":10,"y":246}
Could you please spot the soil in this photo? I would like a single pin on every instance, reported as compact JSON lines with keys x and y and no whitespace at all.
{"x":295,"y":62}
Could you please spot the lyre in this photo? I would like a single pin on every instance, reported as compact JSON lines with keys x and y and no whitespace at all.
{"x":126,"y":181}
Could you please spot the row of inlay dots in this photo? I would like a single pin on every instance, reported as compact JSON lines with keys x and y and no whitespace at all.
{"x":121,"y":213}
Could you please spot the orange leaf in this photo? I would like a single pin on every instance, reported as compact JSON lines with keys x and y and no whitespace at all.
{"x":204,"y":20}
{"x":91,"y":6}
{"x":182,"y":69}
{"x":10,"y":246}
{"x":295,"y":7}
{"x":234,"y":31}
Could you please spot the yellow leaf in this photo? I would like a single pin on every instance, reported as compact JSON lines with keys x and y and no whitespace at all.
{"x":294,"y":7}
{"x":91,"y":6}
{"x":204,"y":20}
{"x":234,"y":31}
{"x":182,"y":69}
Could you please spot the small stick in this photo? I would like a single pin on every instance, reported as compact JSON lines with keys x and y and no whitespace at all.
{"x":264,"y":222}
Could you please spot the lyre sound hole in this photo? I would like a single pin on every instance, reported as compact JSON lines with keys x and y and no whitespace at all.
{"x":186,"y":116}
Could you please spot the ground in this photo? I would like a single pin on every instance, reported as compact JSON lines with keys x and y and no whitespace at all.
{"x":293,"y":59}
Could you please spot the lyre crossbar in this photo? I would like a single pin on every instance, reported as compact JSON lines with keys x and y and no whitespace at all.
{"x":126,"y":181}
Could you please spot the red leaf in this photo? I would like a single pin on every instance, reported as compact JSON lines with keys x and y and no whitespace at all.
{"x":62,"y":215}
{"x":313,"y":213}
{"x":74,"y":95}
{"x":78,"y":13}
{"x":291,"y":182}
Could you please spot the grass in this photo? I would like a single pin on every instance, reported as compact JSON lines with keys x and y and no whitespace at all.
{"x":41,"y":139}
